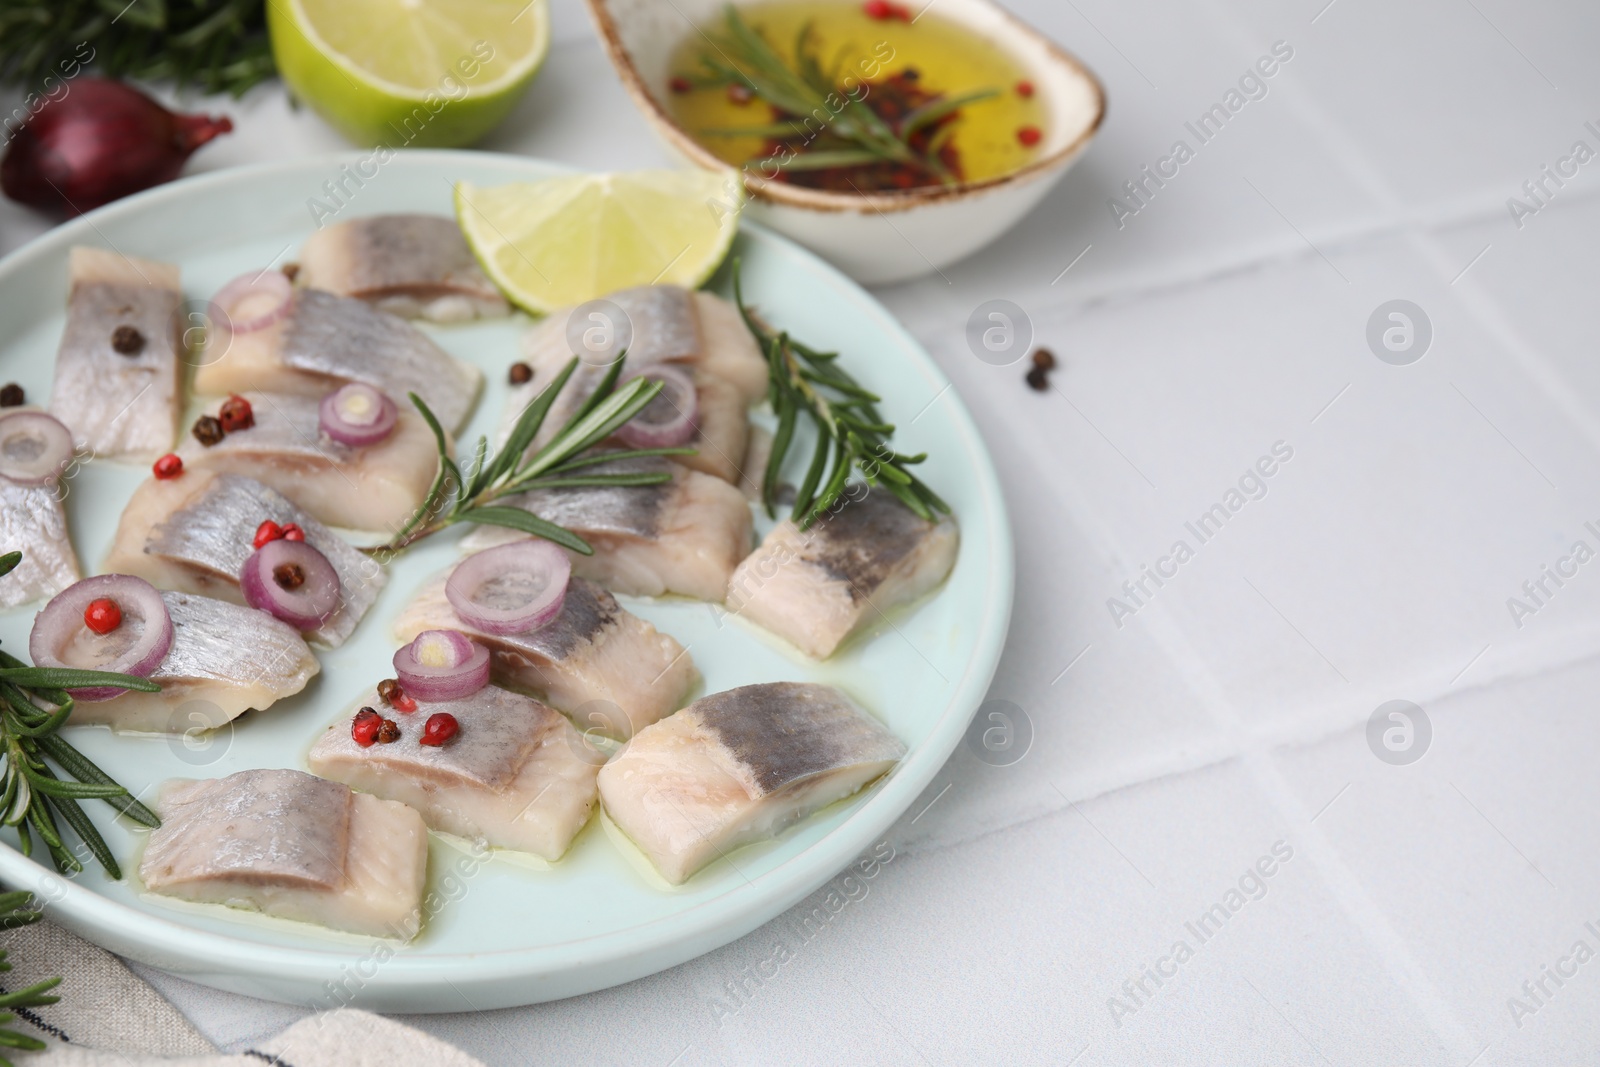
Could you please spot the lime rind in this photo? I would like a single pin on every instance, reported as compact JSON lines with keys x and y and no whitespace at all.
{"x":373,"y":110}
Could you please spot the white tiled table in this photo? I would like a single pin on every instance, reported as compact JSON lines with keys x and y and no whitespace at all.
{"x":1228,"y":714}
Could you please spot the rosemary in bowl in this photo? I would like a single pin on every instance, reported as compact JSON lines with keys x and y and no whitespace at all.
{"x":833,"y":125}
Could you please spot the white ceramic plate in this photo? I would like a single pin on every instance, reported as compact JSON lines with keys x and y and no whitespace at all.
{"x":509,"y":932}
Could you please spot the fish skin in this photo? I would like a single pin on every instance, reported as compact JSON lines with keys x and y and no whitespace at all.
{"x":665,"y":323}
{"x":686,"y":535}
{"x":817,"y":586}
{"x":195,"y":532}
{"x":780,"y":733}
{"x":117,"y":406}
{"x":33,"y":519}
{"x":714,"y":341}
{"x":516,"y":775}
{"x":740,"y":766}
{"x":409,"y":265}
{"x":225,"y":660}
{"x":271,"y":841}
{"x":612,"y":671}
{"x":254,"y":826}
{"x":376,"y":487}
{"x":325,"y":341}
{"x":630,"y":511}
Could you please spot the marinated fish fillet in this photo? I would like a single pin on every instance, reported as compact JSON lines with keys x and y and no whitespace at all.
{"x":610,"y":670}
{"x":225,"y":660}
{"x":740,"y":766}
{"x":376,"y":487}
{"x":193,"y":534}
{"x":33,"y":519}
{"x":515,"y":775}
{"x":118,"y":371}
{"x":408,"y":265}
{"x":287,"y":844}
{"x":815,"y":587}
{"x":324,"y":341}
{"x":682,"y":536}
{"x":722,"y":431}
{"x":668,"y":325}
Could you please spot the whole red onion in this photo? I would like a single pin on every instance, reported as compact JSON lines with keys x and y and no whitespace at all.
{"x":101,"y":141}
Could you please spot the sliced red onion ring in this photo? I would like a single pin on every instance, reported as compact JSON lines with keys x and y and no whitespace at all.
{"x":671,"y":418}
{"x":34,"y":447}
{"x":253,"y":301}
{"x":60,"y":637}
{"x":292,"y":581}
{"x":513,"y":589}
{"x":442,"y":665}
{"x":357,"y":415}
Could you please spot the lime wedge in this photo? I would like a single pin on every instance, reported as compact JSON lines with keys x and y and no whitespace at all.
{"x":423,"y":73}
{"x":560,"y":242}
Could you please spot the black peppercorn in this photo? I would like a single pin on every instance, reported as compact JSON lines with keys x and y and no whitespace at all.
{"x":521,"y":373}
{"x":1044,"y":359}
{"x":289,"y":576}
{"x":1036,"y":379}
{"x":11,"y":395}
{"x":207,"y":430}
{"x":127,"y":340}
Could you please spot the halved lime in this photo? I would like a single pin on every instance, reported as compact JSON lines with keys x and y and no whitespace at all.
{"x":560,"y":242}
{"x":424,"y":73}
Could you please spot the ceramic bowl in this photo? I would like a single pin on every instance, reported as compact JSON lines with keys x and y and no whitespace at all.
{"x":886,"y":237}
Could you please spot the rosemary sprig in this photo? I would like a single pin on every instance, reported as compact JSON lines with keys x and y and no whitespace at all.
{"x":854,"y":134}
{"x":15,"y":912}
{"x":214,"y":45}
{"x":470,"y":495}
{"x":34,"y":704}
{"x":851,"y":435}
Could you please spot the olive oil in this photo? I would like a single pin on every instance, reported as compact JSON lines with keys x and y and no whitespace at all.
{"x":990,"y":137}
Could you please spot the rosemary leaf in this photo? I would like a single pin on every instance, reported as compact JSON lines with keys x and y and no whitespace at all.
{"x":480,"y":469}
{"x":528,"y":522}
{"x":67,"y":805}
{"x":826,"y":160}
{"x":935,"y":110}
{"x":600,"y":414}
{"x":611,"y":457}
{"x":788,"y":415}
{"x":80,"y":767}
{"x":528,"y":423}
{"x":851,"y":436}
{"x":628,"y":480}
{"x":46,"y":783}
{"x":592,"y":424}
{"x":67,"y":678}
{"x":819,"y":462}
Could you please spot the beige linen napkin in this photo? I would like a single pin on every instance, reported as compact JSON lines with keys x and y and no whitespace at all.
{"x":109,"y":1017}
